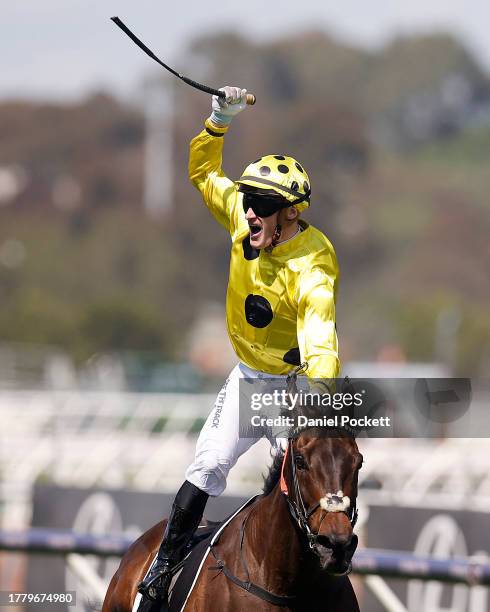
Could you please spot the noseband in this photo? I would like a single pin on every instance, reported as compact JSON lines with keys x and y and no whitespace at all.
{"x":296,"y":505}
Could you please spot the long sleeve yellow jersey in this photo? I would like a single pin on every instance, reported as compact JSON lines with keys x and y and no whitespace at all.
{"x":280,"y":306}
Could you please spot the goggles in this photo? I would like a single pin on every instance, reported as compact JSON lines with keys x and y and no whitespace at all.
{"x":263,"y":205}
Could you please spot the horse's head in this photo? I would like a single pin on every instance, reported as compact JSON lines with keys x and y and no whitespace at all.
{"x":321,"y":476}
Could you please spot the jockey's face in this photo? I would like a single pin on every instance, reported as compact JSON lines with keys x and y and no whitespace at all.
{"x":261,"y":229}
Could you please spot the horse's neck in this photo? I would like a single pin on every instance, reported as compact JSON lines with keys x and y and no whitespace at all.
{"x":272,"y":537}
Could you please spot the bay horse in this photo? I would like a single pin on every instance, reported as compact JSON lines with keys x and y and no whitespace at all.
{"x":291,"y":548}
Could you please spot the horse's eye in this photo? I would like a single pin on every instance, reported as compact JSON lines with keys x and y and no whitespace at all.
{"x":300,"y":462}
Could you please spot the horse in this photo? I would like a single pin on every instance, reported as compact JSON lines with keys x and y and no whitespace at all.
{"x":290,"y":548}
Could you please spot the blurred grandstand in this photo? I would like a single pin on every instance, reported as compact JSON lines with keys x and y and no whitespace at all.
{"x":98,"y":433}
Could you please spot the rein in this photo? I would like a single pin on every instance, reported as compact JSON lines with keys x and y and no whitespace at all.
{"x":300,"y":515}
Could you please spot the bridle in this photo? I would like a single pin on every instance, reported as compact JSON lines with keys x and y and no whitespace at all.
{"x":296,"y":505}
{"x":301,"y":516}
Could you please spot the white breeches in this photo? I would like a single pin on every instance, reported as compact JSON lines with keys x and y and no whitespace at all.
{"x":220,"y":443}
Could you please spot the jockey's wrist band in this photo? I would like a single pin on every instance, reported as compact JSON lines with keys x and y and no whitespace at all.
{"x":212,"y":129}
{"x":211,"y":133}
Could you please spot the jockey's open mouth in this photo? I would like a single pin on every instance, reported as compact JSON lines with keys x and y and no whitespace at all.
{"x":262,"y":229}
{"x":255,"y":228}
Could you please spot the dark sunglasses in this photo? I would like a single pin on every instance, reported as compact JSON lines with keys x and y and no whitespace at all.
{"x":263,"y":205}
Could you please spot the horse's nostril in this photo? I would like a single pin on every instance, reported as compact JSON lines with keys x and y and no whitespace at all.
{"x":338,"y":540}
{"x":323,"y":541}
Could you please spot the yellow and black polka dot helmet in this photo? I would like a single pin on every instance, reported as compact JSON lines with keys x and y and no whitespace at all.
{"x":281,"y":174}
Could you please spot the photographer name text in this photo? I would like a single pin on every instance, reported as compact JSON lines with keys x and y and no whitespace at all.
{"x":336,"y":421}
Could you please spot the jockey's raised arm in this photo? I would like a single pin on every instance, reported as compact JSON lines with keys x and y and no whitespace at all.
{"x":206,"y":174}
{"x":205,"y":159}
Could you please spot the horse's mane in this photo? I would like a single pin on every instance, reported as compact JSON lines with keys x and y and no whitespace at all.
{"x":272,"y":477}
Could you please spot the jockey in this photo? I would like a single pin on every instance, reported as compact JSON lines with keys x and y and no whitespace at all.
{"x":280,"y":307}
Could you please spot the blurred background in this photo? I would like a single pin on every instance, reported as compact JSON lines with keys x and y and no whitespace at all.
{"x":113,"y":274}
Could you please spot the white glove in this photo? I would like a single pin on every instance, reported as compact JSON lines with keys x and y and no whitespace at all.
{"x":224,"y":109}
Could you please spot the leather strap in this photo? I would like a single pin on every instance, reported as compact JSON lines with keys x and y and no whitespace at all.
{"x":254,"y":589}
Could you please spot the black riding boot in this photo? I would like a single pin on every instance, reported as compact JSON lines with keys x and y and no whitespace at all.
{"x":184,"y":519}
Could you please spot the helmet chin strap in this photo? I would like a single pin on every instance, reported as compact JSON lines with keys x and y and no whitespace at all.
{"x":276,"y":236}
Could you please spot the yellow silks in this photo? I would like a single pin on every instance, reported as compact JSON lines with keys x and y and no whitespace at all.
{"x":276,"y":302}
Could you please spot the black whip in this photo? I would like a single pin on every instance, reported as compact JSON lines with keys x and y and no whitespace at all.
{"x":210,"y":90}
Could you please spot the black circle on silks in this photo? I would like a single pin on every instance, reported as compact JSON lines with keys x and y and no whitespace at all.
{"x":292,"y":356}
{"x":258,"y":311}
{"x":248,"y":251}
{"x":283,"y":168}
{"x":281,"y":157}
{"x":264,"y":170}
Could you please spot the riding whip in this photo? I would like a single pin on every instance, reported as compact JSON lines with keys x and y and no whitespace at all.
{"x":215,"y":92}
